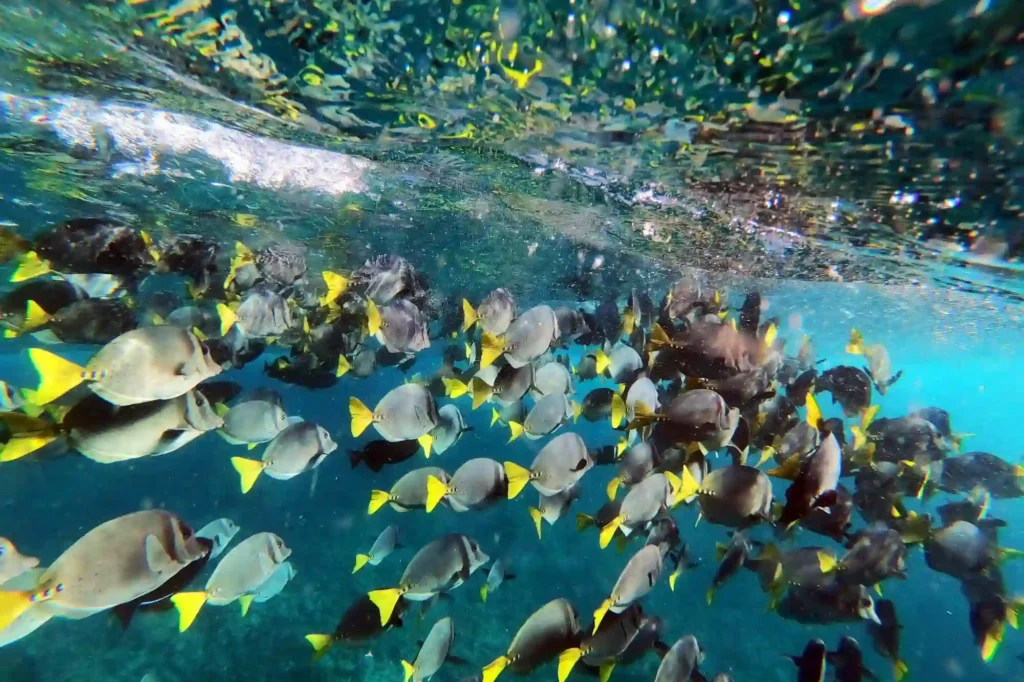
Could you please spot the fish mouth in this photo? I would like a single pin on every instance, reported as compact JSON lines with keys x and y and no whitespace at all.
{"x":868,"y":613}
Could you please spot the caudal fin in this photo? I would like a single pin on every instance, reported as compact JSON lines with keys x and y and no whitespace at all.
{"x":362,"y":416}
{"x":188,"y":605}
{"x":491,"y":348}
{"x":385,"y":601}
{"x":378,"y":498}
{"x":57,"y":376}
{"x":518,"y":477}
{"x":436,"y":491}
{"x":248,"y":470}
{"x":469,"y":316}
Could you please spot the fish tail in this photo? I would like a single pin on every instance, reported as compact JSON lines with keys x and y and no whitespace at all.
{"x":469,"y":315}
{"x":22,"y":445}
{"x":385,"y":601}
{"x":583,"y":522}
{"x":491,"y":671}
{"x":30,"y":266}
{"x":860,"y":439}
{"x":491,"y":348}
{"x":826,"y":562}
{"x":228,"y":318}
{"x":362,"y":416}
{"x":188,"y":605}
{"x":577,"y":410}
{"x":899,"y":670}
{"x":361,"y":560}
{"x":378,"y":498}
{"x":659,"y":337}
{"x":602,"y":361}
{"x":537,"y":515}
{"x":436,"y":491}
{"x":770,"y":335}
{"x":426,"y":441}
{"x":35,"y":316}
{"x":481,"y":392}
{"x":515,"y":430}
{"x":813,"y":411}
{"x":688,"y":485}
{"x":618,"y":410}
{"x":483,"y":593}
{"x":248,"y":470}
{"x":336,"y":286}
{"x":12,"y":605}
{"x":567,"y":661}
{"x":343,"y":366}
{"x":993,"y":639}
{"x":454,"y":388}
{"x":494,"y":416}
{"x":600,"y":612}
{"x":409,"y":669}
{"x":320,"y":644}
{"x":613,"y":487}
{"x":673,"y":577}
{"x":766,"y":454}
{"x":855,"y":346}
{"x":517,"y":476}
{"x":710,"y":595}
{"x":245,"y":601}
{"x":373,"y":321}
{"x":608,"y":531}
{"x":642,"y":416}
{"x":57,"y":376}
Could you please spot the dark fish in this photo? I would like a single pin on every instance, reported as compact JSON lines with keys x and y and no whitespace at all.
{"x":875,"y":554}
{"x":815,"y":484}
{"x":378,"y":454}
{"x":848,"y":660}
{"x":963,"y":473}
{"x":93,"y":321}
{"x":832,"y":522}
{"x":95,"y":245}
{"x":750,"y":313}
{"x":49,"y":294}
{"x":811,"y":663}
{"x":831,"y":603}
{"x":849,"y":386}
{"x":798,"y":389}
{"x":304,"y":370}
{"x":160,"y":598}
{"x":358,"y":625}
{"x":885,"y":636}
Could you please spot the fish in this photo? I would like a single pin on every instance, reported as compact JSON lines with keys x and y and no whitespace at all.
{"x":12,"y":562}
{"x":551,"y":378}
{"x":409,"y":491}
{"x":965,"y":550}
{"x":359,"y":624}
{"x":494,"y":314}
{"x":272,"y":586}
{"x":386,"y":277}
{"x":691,"y":416}
{"x":879,"y":366}
{"x":93,"y":321}
{"x":731,"y":558}
{"x":636,"y":580}
{"x":736,"y":496}
{"x":602,"y":648}
{"x":256,"y":418}
{"x":811,"y":663}
{"x":116,"y":562}
{"x":433,"y":652}
{"x":550,"y":508}
{"x":300,"y":447}
{"x":380,"y":453}
{"x":637,"y":462}
{"x":440,"y":566}
{"x":496,"y":576}
{"x":240,"y":574}
{"x":970,"y":470}
{"x":644,"y":501}
{"x":710,"y":350}
{"x":558,"y":466}
{"x":621,"y":364}
{"x":643,"y":392}
{"x":604,"y":403}
{"x":527,"y":338}
{"x":680,"y":662}
{"x":509,"y":385}
{"x":850,"y":388}
{"x":815,"y":484}
{"x":449,"y":429}
{"x":402,"y":328}
{"x":142,"y":365}
{"x":874,"y":554}
{"x":220,"y":533}
{"x":407,"y":412}
{"x":31,"y":619}
{"x":386,"y":543}
{"x":477,"y":484}
{"x":260,"y":314}
{"x":829,"y":603}
{"x":548,"y":631}
{"x":885,"y":637}
{"x":848,"y":660}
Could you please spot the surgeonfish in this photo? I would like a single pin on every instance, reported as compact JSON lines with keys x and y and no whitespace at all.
{"x":383,"y":546}
{"x":300,"y":447}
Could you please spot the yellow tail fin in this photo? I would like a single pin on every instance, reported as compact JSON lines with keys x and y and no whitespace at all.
{"x":481,"y":392}
{"x":860,"y":439}
{"x":813,"y":411}
{"x":436,"y":491}
{"x":491,"y":348}
{"x":658,"y":336}
{"x":613,"y":487}
{"x":688,"y":485}
{"x":30,"y":267}
{"x":378,"y":498}
{"x":608,"y":531}
{"x":409,"y":670}
{"x":386,"y":600}
{"x":361,"y":560}
{"x":248,"y":470}
{"x":20,"y":446}
{"x":491,"y":671}
{"x":618,"y":410}
{"x":577,"y":410}
{"x":826,"y":562}
{"x":515,"y":430}
{"x":343,"y":366}
{"x":583,"y":522}
{"x":600,"y":613}
{"x":855,"y":346}
{"x":188,"y":605}
{"x":57,"y":376}
{"x":320,"y":644}
{"x":454,"y":388}
{"x":494,"y":416}
{"x":537,"y":515}
{"x":426,"y":442}
{"x":245,"y":601}
{"x":709,"y":596}
{"x":567,"y":661}
{"x":602,"y":361}
{"x":35,"y":316}
{"x":362,"y":416}
{"x":483,"y":593}
{"x":789,"y":469}
{"x":469,"y":316}
{"x":518,"y":477}
{"x":899,"y":670}
{"x":673,"y":577}
{"x":373,"y":320}
{"x":336,"y":286}
{"x":770,"y":335}
{"x":227,"y":318}
{"x":12,"y":605}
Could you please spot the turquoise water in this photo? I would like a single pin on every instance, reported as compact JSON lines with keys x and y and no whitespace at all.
{"x":571,"y":187}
